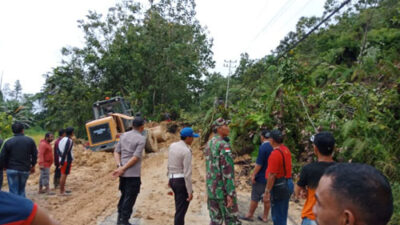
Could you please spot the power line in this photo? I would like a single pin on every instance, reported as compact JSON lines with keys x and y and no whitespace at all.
{"x":262,"y":10}
{"x":299,"y":11}
{"x":315,"y":28}
{"x":229,"y":64}
{"x":273,"y":19}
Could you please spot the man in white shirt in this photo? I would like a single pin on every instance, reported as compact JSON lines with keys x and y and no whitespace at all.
{"x":180,"y":173}
{"x":65,"y":149}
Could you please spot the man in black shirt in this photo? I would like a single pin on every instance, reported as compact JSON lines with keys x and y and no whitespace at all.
{"x":18,"y":156}
{"x":323,"y":144}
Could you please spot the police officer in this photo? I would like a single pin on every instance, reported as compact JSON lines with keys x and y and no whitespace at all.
{"x":128,"y":156}
{"x":180,"y":173}
{"x":222,"y":202}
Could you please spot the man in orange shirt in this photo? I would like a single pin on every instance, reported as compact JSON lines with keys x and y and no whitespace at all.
{"x":279,"y":179}
{"x":323,"y":144}
{"x":45,"y":161}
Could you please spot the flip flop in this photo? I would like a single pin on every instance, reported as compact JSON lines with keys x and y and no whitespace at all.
{"x":246,"y":218}
{"x":65,"y":194}
{"x":261,"y":219}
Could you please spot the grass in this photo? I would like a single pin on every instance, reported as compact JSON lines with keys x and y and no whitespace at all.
{"x":36,"y":133}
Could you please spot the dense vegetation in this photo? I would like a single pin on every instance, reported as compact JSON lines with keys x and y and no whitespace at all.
{"x":345,"y":77}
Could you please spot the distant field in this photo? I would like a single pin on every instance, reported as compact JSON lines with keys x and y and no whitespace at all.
{"x":36,"y":133}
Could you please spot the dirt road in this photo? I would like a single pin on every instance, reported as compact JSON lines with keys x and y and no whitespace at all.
{"x":95,"y":194}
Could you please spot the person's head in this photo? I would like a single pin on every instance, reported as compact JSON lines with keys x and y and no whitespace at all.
{"x":17,"y":128}
{"x":187,"y":135}
{"x":276,"y":138}
{"x":352,"y":194}
{"x":220,"y":126}
{"x":265,"y":135}
{"x":323,"y":143}
{"x":49,"y":137}
{"x":138,"y":124}
{"x":69,"y":131}
{"x":61,"y":133}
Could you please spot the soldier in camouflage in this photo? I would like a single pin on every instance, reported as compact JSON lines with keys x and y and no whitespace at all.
{"x":222,"y":202}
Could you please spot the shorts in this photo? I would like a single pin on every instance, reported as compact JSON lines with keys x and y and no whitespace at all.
{"x":44,"y":179}
{"x":257,"y":191}
{"x":66,"y":168}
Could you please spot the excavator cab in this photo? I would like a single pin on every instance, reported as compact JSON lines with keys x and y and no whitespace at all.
{"x":109,"y":106}
{"x":112,"y":117}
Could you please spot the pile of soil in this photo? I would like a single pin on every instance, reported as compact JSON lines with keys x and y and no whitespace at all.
{"x":94,"y":192}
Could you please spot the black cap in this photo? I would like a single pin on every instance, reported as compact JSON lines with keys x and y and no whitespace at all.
{"x":266,"y":133}
{"x":138,"y":122}
{"x":277,"y":136}
{"x":324,"y":141}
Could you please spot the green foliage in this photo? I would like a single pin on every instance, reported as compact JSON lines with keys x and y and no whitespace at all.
{"x":5,"y":125}
{"x":396,"y":197}
{"x":153,"y":58}
{"x":36,"y":133}
{"x":344,"y":78}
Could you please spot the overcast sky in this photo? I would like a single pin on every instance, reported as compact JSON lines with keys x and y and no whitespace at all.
{"x":33,"y":32}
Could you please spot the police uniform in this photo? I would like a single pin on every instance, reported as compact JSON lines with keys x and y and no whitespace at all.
{"x":220,"y":180}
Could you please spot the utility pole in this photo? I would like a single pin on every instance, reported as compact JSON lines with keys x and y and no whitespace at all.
{"x":229,"y":64}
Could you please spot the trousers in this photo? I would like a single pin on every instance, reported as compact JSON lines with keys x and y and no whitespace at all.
{"x":220,"y":213}
{"x":279,"y":209}
{"x":178,"y":186}
{"x":130,"y":188}
{"x":57,"y":176}
{"x":17,"y":181}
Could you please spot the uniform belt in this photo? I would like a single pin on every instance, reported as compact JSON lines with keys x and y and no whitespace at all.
{"x":176,"y":175}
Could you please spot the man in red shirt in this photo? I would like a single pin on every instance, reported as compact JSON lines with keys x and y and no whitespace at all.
{"x":279,"y":179}
{"x":45,"y":161}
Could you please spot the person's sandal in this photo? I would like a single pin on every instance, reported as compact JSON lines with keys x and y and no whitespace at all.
{"x":65,"y":194}
{"x":246,"y":218}
{"x":261,"y":219}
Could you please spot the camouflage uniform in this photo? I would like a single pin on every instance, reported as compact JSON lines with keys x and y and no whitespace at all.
{"x":220,"y":182}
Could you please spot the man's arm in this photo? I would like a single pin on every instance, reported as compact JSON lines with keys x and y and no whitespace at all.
{"x":271,"y":176}
{"x":228,"y":173}
{"x":299,"y":191}
{"x":136,"y":157}
{"x":268,"y":188}
{"x":270,"y":182}
{"x":34,"y":154}
{"x":187,"y":171}
{"x":117,"y":153}
{"x":257,"y":169}
{"x":3,"y":155}
{"x":117,"y":157}
{"x":41,"y":218}
{"x":41,"y":152}
{"x":300,"y":187}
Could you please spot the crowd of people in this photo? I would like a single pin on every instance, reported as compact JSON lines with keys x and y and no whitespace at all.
{"x":18,"y":157}
{"x":334,"y":193}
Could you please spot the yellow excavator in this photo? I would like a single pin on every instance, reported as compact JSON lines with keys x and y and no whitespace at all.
{"x":112,"y":117}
